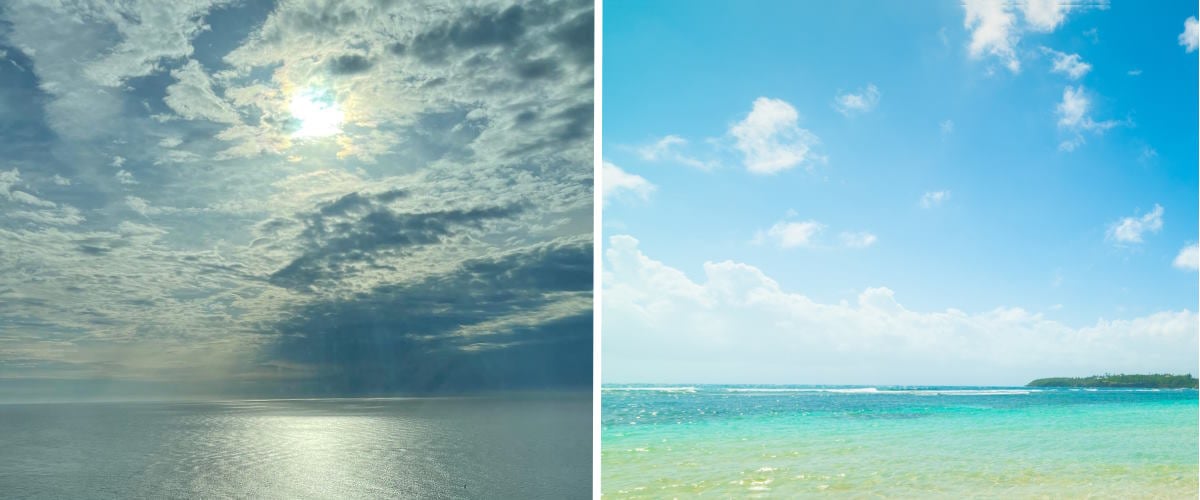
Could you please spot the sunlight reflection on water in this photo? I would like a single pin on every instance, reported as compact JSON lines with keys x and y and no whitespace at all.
{"x":447,"y":448}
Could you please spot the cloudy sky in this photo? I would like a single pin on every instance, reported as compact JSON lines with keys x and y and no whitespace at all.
{"x":898,"y":193}
{"x":208,"y":197}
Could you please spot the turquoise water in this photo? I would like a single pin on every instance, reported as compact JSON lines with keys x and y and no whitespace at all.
{"x":760,"y":441}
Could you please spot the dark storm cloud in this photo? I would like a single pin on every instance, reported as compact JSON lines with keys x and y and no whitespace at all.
{"x":538,"y":68}
{"x":356,"y":228}
{"x":162,"y":218}
{"x":349,"y":64}
{"x":473,"y":30}
{"x":417,"y":337}
{"x":578,"y":36}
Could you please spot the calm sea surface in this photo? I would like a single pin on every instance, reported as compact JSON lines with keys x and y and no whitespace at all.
{"x":526,"y":447}
{"x":772,"y":441}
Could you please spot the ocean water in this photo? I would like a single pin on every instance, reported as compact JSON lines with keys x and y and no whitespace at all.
{"x":519,"y":447}
{"x":781,"y":442}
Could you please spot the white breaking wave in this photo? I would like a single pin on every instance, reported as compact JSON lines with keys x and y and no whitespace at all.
{"x":851,"y":390}
{"x":971,"y":392}
{"x":652,"y":389}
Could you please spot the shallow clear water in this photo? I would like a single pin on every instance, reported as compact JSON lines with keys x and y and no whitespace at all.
{"x":521,"y":447}
{"x":747,"y":441}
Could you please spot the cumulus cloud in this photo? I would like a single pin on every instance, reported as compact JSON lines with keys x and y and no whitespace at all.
{"x":1068,"y":64}
{"x":662,"y":326}
{"x":1188,"y":258}
{"x":850,"y":103}
{"x":1190,"y":38}
{"x":770,"y":138}
{"x":993,"y":31}
{"x":996,"y":31}
{"x":933,"y":199}
{"x":1131,"y":229}
{"x":617,"y":183}
{"x":1045,"y":15}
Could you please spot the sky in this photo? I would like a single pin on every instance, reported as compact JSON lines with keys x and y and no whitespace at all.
{"x":219,"y":198}
{"x":864,"y":192}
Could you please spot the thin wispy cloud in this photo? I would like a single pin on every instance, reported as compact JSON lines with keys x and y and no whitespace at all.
{"x":1133,"y":229}
{"x":854,"y":103}
{"x":933,"y":199}
{"x":790,"y":234}
{"x":1074,"y":117}
{"x":861,"y":239}
{"x":669,"y":149}
{"x":618,"y":183}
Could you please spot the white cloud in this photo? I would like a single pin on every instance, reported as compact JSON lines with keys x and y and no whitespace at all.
{"x":1131,"y":229}
{"x":1073,"y":108}
{"x":770,"y":139}
{"x":32,"y":208}
{"x":933,"y":199}
{"x":946,"y":126}
{"x":1045,"y":15}
{"x":1188,"y":258}
{"x":667,"y":149}
{"x":124,"y":177}
{"x":996,"y":32}
{"x":616,"y":182}
{"x":1074,"y":116}
{"x":786,"y":234}
{"x":193,"y":98}
{"x":1134,"y":72}
{"x":474,"y":133}
{"x":1190,"y":38}
{"x":8,"y":180}
{"x":850,"y":103}
{"x":735,"y":321}
{"x":860,"y":239}
{"x":60,"y":180}
{"x":993,"y":31}
{"x":1068,"y":64}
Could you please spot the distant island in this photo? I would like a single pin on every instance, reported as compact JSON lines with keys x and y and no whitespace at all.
{"x":1156,"y":381}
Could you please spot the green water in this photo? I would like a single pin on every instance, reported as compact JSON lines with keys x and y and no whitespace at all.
{"x":1053,"y":443}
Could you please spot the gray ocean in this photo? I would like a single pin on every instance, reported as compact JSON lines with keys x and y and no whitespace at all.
{"x":479,"y":447}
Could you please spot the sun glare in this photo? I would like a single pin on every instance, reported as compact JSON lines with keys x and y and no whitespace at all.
{"x":318,"y":114}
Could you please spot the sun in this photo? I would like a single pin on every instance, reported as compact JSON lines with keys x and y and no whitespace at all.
{"x":317,"y":112}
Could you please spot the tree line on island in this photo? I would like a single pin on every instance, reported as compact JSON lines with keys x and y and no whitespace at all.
{"x":1156,"y":381}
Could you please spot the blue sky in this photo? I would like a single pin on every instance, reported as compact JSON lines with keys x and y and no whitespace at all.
{"x":214,"y":198}
{"x":1034,"y":162}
